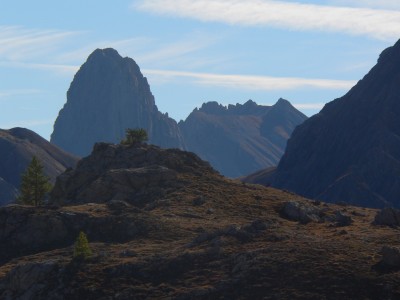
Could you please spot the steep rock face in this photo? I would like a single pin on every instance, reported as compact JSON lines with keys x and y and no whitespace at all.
{"x":240,"y":139}
{"x":350,"y":151}
{"x":137,"y":174}
{"x":17,"y":147}
{"x":108,"y":95}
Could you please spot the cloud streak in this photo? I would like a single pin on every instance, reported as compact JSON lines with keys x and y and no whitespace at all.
{"x":19,"y":43}
{"x":11,"y":93}
{"x":382,"y":4}
{"x":249,"y":82}
{"x":60,"y":69}
{"x":379,"y":24}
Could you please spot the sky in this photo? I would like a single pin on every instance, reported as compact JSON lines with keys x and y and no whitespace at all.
{"x":192,"y":51}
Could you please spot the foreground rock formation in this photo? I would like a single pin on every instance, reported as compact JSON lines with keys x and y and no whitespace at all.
{"x":137,"y":174}
{"x":240,"y":139}
{"x":17,"y":147}
{"x":350,"y":151}
{"x":108,"y":95}
{"x":195,"y":235}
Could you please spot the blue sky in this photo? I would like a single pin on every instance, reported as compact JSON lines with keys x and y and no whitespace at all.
{"x":191,"y":51}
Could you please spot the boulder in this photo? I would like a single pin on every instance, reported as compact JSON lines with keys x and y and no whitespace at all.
{"x":391,"y":257}
{"x":388,"y":216}
{"x":301,"y":212}
{"x":342,"y":219}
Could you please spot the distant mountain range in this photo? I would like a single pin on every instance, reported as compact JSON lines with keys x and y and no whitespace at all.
{"x":17,"y":147}
{"x":240,"y":139}
{"x":350,"y":151}
{"x":109,"y":94}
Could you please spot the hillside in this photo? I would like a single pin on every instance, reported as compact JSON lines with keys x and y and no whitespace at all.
{"x":17,"y":147}
{"x":190,"y":234}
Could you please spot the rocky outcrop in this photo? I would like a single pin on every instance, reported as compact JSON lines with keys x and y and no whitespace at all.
{"x":350,"y":151}
{"x":240,"y":139}
{"x":27,"y":230}
{"x":108,"y":95}
{"x":17,"y":147}
{"x":137,"y":174}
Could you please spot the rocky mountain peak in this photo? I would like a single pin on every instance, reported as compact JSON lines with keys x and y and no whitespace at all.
{"x":213,"y":107}
{"x":108,"y":95}
{"x":283,"y":103}
{"x":106,"y":52}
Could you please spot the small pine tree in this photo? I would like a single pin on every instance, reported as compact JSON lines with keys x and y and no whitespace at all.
{"x":135,"y":136}
{"x":34,"y":184}
{"x":82,"y":249}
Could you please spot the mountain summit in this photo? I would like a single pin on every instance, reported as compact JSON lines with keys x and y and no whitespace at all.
{"x":350,"y":151}
{"x":107,"y":95}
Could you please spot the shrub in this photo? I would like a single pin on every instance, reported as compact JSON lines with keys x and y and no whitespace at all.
{"x":135,"y":136}
{"x":82,"y":249}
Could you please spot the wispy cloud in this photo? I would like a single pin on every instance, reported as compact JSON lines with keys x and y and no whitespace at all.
{"x":11,"y":93}
{"x":173,"y":53}
{"x":250,"y":82}
{"x":380,"y":24}
{"x":55,"y":68}
{"x":18,"y":43}
{"x":382,"y":4}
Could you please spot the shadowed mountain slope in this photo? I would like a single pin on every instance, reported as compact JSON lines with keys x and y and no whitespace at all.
{"x":17,"y":147}
{"x":350,"y":151}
